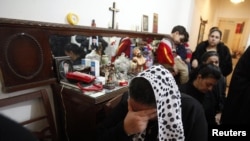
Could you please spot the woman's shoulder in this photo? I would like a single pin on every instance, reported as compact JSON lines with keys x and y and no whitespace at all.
{"x":202,"y":44}
{"x":222,"y":46}
{"x":189,"y":103}
{"x":188,"y":99}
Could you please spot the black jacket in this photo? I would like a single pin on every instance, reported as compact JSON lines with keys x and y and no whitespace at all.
{"x":225,"y":58}
{"x":237,"y":107}
{"x":208,"y":101}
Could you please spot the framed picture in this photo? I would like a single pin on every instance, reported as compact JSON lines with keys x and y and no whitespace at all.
{"x":155,"y":23}
{"x":201,"y":30}
{"x":144,"y":23}
{"x":63,"y":65}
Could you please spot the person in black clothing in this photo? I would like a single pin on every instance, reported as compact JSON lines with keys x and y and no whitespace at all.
{"x":200,"y":85}
{"x":153,"y":109}
{"x":75,"y":53}
{"x":214,"y":44}
{"x":12,"y":131}
{"x":219,"y":90}
{"x":237,"y":107}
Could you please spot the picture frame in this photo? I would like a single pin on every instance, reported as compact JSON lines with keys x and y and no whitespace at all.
{"x":144,"y":23}
{"x":201,"y":30}
{"x":63,"y":65}
{"x":155,"y":23}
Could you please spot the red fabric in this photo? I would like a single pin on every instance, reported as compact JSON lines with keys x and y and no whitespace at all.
{"x":189,"y":51}
{"x":164,"y":54}
{"x":124,"y":46}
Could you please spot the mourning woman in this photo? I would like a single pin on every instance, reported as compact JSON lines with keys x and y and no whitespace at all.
{"x":153,"y":109}
{"x":200,"y":86}
{"x":219,"y":90}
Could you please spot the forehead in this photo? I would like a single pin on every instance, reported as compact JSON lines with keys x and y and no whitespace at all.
{"x":136,"y":106}
{"x":213,"y":58}
{"x":210,"y":81}
{"x":215,"y":33}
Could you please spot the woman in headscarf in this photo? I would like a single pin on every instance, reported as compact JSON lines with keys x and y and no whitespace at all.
{"x":153,"y":109}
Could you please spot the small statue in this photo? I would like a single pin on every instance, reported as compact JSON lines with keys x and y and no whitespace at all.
{"x":93,"y":24}
{"x":110,"y":76}
{"x":138,"y":61}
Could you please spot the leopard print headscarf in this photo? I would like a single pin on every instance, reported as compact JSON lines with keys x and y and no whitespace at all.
{"x":168,"y":101}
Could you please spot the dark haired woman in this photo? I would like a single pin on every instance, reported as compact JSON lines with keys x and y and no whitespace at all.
{"x":212,"y":57}
{"x":214,"y":44}
{"x":75,"y":53}
{"x":200,"y":85}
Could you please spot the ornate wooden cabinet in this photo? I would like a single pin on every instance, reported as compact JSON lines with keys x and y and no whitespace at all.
{"x":79,"y":113}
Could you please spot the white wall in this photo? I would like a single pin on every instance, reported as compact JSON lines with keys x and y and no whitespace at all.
{"x":212,"y":10}
{"x":171,"y":12}
{"x":26,"y":110}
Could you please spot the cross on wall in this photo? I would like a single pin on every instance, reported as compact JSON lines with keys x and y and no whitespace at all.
{"x":114,"y":11}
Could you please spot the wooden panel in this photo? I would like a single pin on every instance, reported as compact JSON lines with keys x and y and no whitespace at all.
{"x":25,"y":58}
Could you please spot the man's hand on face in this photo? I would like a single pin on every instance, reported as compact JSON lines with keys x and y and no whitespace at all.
{"x":136,"y":121}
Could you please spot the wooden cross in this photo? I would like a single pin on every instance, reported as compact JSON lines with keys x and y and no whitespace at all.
{"x":114,"y":10}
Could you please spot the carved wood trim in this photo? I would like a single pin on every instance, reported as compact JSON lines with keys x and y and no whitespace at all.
{"x":48,"y":115}
{"x":14,"y":59}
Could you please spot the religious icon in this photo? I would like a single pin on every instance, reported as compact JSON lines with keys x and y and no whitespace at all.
{"x":155,"y":23}
{"x":144,"y":23}
{"x":63,"y":66}
{"x":66,"y":67}
{"x":114,"y":11}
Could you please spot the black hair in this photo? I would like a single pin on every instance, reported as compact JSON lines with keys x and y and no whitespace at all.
{"x":75,"y":49}
{"x":215,"y":29}
{"x":208,"y":54}
{"x":206,"y":71}
{"x":186,"y":38}
{"x":181,"y":29}
{"x":141,"y":91}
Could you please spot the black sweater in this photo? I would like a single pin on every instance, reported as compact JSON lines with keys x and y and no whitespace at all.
{"x":208,"y":100}
{"x":193,"y":118}
{"x":237,"y":106}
